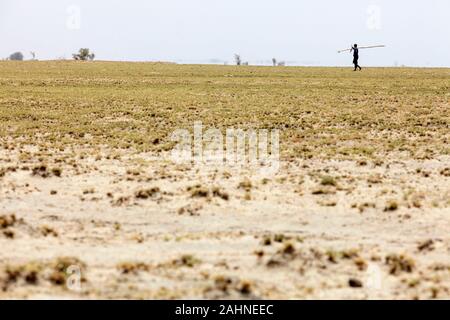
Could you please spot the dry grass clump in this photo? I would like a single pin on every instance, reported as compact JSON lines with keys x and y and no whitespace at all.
{"x":7,"y":221}
{"x":218,"y":192}
{"x":363,"y":206}
{"x":59,"y":269}
{"x":186,"y":260}
{"x":427,"y":245}
{"x":6,"y":224}
{"x":323,"y":190}
{"x":147,"y":193}
{"x":120,"y":201}
{"x":445,"y":172}
{"x":391,"y":205}
{"x":32,"y":273}
{"x":334,"y":256}
{"x":198,"y":191}
{"x":328,"y":181}
{"x":230,"y":287}
{"x":3,"y":171}
{"x":27,"y":274}
{"x":268,"y":240}
{"x":375,"y":179}
{"x":48,"y":231}
{"x":132,"y":267}
{"x":245,"y":184}
{"x":399,"y":263}
{"x":286,"y":253}
{"x":192,"y":209}
{"x":44,"y":172}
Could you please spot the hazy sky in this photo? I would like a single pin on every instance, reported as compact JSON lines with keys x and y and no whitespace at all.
{"x":308,"y":32}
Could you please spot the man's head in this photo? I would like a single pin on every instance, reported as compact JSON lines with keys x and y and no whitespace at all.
{"x":355,"y":45}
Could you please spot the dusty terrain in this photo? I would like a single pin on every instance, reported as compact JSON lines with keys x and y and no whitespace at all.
{"x":360,"y":207}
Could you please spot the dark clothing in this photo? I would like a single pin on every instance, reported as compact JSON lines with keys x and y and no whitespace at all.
{"x":355,"y":58}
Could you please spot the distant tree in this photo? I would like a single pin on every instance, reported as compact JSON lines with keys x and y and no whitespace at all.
{"x":237,"y":59}
{"x":274,"y":62}
{"x":281,"y":64}
{"x":16,"y":56}
{"x":33,"y":55}
{"x":245,"y":63}
{"x":84,"y":54}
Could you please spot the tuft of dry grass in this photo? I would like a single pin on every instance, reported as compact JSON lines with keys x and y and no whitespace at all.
{"x":399,"y":263}
{"x":198,"y":191}
{"x":391,"y":205}
{"x":328,"y":181}
{"x":187,"y":260}
{"x":7,"y":221}
{"x":132,"y":267}
{"x":147,"y":193}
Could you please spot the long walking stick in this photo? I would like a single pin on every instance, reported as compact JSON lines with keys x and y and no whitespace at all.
{"x":368,"y":47}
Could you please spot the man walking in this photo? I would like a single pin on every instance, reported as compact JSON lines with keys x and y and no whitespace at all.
{"x":355,"y":57}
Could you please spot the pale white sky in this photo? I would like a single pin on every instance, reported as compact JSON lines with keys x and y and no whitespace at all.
{"x":302,"y":32}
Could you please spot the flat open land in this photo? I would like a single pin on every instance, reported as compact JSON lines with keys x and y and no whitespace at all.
{"x":91,"y":206}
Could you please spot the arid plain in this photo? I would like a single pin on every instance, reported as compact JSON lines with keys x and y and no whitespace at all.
{"x":91,"y":205}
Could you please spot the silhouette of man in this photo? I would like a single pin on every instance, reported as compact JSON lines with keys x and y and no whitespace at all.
{"x":355,"y":56}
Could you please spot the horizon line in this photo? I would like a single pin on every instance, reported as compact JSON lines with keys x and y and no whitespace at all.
{"x":227,"y":64}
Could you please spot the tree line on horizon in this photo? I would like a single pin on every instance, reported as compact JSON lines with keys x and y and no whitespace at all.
{"x":84,"y":54}
{"x":239,"y":62}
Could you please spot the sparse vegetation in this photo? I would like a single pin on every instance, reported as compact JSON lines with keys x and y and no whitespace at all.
{"x":237,"y":59}
{"x":16,"y":56}
{"x":36,"y":272}
{"x":99,"y":133}
{"x":391,"y":205}
{"x":399,"y":263}
{"x":320,"y":118}
{"x":44,"y":172}
{"x":147,"y":193}
{"x":132,"y":267}
{"x":198,"y":191}
{"x":328,"y":181}
{"x":187,"y":260}
{"x":7,"y":221}
{"x":84,"y":54}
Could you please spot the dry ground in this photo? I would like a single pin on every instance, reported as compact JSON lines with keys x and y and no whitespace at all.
{"x":359,"y":209}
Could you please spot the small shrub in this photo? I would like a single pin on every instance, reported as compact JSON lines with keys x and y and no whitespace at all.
{"x":147,"y":193}
{"x":187,"y":260}
{"x":392,"y":205}
{"x":328,"y":181}
{"x":399,"y":263}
